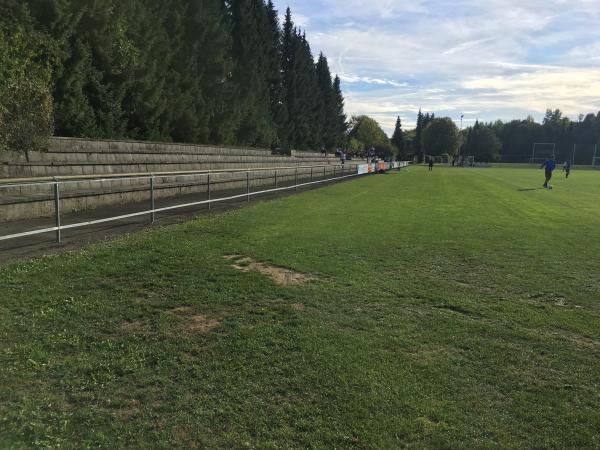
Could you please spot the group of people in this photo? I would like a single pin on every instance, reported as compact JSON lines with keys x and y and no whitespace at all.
{"x":550,"y":166}
{"x":347,"y":155}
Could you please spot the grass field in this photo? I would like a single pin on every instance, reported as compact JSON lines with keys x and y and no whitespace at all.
{"x":453,"y":309}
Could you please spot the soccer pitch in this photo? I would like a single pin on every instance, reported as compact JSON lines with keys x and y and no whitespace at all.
{"x":452,"y":309}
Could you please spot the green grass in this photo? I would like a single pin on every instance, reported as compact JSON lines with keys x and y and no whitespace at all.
{"x":452,"y":310}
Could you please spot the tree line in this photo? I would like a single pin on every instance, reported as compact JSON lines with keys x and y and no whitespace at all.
{"x":499,"y":141}
{"x":198,"y":71}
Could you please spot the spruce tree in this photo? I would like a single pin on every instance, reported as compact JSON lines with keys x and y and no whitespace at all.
{"x":308,"y":136}
{"x":326,"y":120}
{"x":398,"y":137}
{"x":274,"y":55}
{"x":288,"y":88}
{"x":340,"y":127}
{"x":220,"y":71}
{"x":250,"y":39}
{"x":418,"y":136}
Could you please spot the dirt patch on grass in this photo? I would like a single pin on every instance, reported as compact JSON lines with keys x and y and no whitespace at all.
{"x":135,"y":327}
{"x":182,"y":310}
{"x":458,"y":309}
{"x":579,"y":340}
{"x":192,"y":322}
{"x":201,"y":324}
{"x":127,"y":411}
{"x":431,"y":354}
{"x":298,"y":306}
{"x":279,"y":275}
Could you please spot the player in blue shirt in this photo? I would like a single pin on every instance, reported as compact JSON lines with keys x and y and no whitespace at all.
{"x":550,"y":165}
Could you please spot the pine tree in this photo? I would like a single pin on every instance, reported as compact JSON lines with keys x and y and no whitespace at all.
{"x":340,"y":126}
{"x":250,"y":40}
{"x":288,"y":61}
{"x":220,"y":71}
{"x":418,"y":137}
{"x":398,"y":137}
{"x":326,"y":120}
{"x":207,"y":52}
{"x":309,"y":112}
{"x":274,"y":57}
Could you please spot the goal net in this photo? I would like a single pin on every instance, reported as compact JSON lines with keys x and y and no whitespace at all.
{"x":466,"y":161}
{"x":438,"y":159}
{"x":543,"y":151}
{"x":596,"y":162}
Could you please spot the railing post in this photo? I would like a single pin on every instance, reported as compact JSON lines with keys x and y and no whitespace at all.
{"x":296,"y":178}
{"x":275,"y":178}
{"x":311,"y":174}
{"x":152,"y":202}
{"x":57,"y":210}
{"x":209,"y":193}
{"x":248,"y":187}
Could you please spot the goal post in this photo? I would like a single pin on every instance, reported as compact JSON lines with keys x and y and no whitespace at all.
{"x":542,"y":151}
{"x":437,"y":159}
{"x":466,"y":161}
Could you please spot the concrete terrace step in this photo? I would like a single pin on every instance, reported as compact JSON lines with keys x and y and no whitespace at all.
{"x":36,"y":201}
{"x":44,"y":192}
{"x":158,"y":157}
{"x":27,"y":170}
{"x":69,"y":157}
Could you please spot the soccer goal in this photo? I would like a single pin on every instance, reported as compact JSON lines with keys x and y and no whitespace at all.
{"x":542,"y":151}
{"x":466,"y":161}
{"x":596,"y":158}
{"x":438,"y":159}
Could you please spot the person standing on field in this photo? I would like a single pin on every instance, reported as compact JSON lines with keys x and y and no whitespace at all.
{"x":567,"y":168}
{"x":549,"y":165}
{"x":431,"y":164}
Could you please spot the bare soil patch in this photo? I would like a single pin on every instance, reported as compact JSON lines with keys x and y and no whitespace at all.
{"x":135,"y":327}
{"x":193,"y":322}
{"x":279,"y":275}
{"x":127,"y":411}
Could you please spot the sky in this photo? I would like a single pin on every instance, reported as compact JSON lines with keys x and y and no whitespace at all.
{"x":484,"y":59}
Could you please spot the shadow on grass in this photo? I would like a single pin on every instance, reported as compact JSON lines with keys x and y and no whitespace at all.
{"x":530,"y":189}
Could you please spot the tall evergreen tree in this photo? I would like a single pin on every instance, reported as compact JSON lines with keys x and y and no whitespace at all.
{"x":288,"y":85}
{"x":340,"y":126}
{"x":279,"y":111}
{"x":398,"y":137}
{"x":251,"y":37}
{"x":418,"y":136}
{"x":301,"y":88}
{"x":220,"y":71}
{"x":326,"y":108}
{"x":308,"y":106}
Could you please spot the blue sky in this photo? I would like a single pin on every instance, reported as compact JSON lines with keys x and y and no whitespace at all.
{"x":486,"y":59}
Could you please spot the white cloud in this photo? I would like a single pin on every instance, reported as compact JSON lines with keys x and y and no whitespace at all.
{"x":572,"y":90}
{"x":366,"y":80}
{"x":496,"y":58}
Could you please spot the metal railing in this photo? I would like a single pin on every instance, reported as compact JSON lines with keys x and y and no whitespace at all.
{"x":339,"y":172}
